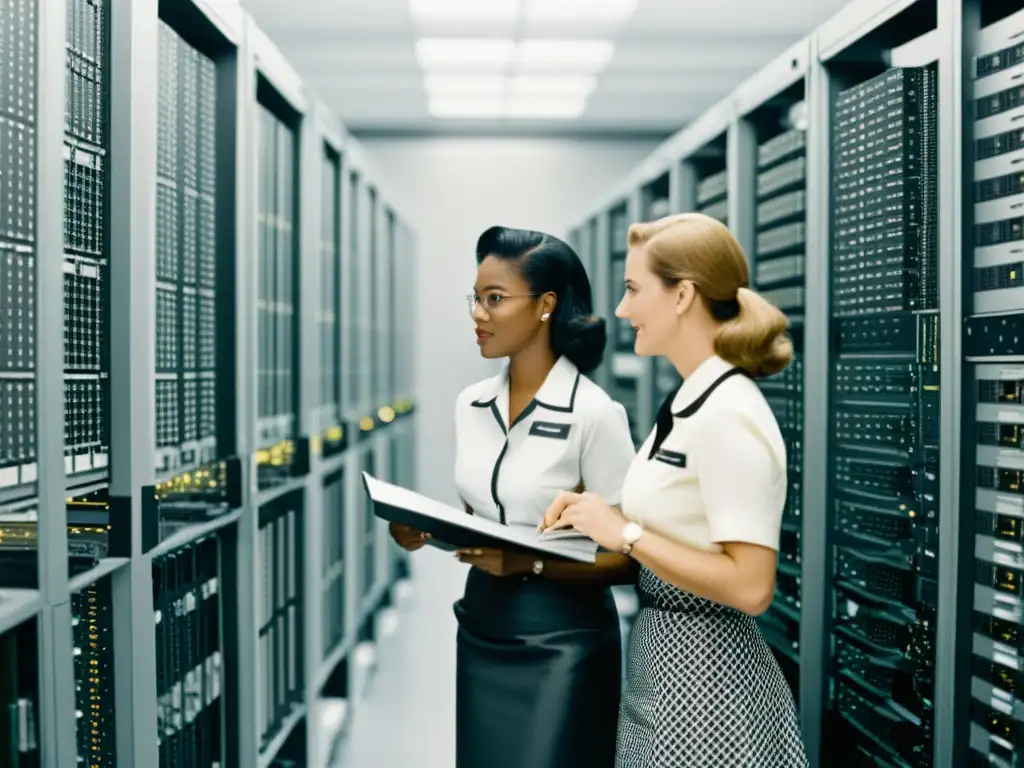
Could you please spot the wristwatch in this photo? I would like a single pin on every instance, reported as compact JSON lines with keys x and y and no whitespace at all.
{"x":631,"y":535}
{"x":538,"y":567}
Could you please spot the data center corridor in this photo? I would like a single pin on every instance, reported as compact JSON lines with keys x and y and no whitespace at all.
{"x":408,"y":717}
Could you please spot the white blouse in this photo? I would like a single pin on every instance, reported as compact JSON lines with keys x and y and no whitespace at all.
{"x":719,"y":472}
{"x":571,"y":433}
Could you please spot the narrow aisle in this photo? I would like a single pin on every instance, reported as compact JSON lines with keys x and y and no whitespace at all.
{"x":407,"y":718}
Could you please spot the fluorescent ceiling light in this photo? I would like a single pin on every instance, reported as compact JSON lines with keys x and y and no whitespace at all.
{"x":570,"y":86}
{"x":611,"y":11}
{"x":564,"y":55}
{"x":545,"y":108}
{"x":464,"y":10}
{"x":464,"y":84}
{"x":464,"y":53}
{"x":465,"y":107}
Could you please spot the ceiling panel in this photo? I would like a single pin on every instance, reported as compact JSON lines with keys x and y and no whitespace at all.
{"x":668,"y":61}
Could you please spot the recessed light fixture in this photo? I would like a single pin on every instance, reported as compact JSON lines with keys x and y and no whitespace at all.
{"x":564,"y":56}
{"x":465,"y":106}
{"x":464,"y":54}
{"x":464,"y":10}
{"x":545,"y":107}
{"x":609,"y":11}
{"x":466,"y":85}
{"x":553,"y":85}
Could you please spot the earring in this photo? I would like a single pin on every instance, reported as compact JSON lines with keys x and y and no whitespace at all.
{"x":544,"y":317}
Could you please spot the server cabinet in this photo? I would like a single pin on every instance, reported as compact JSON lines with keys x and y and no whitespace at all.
{"x":712,"y":179}
{"x":389,"y":305}
{"x":328,"y":421}
{"x":189,"y":667}
{"x":884,"y":411}
{"x":771,"y":200}
{"x":94,"y":663}
{"x":18,"y":271}
{"x":990,"y":653}
{"x":86,"y":250}
{"x":374,"y":263}
{"x":356,"y":305}
{"x":280,"y":663}
{"x":277,"y":327}
{"x":368,"y":533}
{"x":19,"y":695}
{"x":335,"y":570}
{"x":626,"y":377}
{"x":657,"y":203}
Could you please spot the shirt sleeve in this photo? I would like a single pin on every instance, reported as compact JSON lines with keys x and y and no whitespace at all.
{"x":739,"y":482}
{"x":607,"y":453}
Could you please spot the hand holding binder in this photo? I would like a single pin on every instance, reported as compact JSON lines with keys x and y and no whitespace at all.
{"x":452,"y":528}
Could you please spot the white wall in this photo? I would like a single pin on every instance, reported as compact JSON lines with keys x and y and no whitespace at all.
{"x":454,"y":190}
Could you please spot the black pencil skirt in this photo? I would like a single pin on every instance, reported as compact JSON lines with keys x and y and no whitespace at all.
{"x":539,"y":674}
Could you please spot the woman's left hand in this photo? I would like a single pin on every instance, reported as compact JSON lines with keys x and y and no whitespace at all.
{"x":589,"y":514}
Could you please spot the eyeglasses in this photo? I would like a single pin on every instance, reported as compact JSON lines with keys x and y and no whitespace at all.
{"x":492,"y":301}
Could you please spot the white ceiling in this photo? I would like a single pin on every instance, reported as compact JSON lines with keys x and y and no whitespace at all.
{"x":670,"y":61}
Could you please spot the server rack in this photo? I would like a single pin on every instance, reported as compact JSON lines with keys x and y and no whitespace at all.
{"x":769,"y":144}
{"x":657,"y":202}
{"x":713,"y":179}
{"x":908,"y":377}
{"x":145,"y":600}
{"x":329,"y":423}
{"x":988,"y":700}
{"x":626,"y":369}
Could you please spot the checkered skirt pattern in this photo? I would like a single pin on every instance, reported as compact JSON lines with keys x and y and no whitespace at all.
{"x":703,"y":689}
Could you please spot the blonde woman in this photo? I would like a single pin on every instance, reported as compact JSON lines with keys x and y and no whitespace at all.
{"x":701,"y":511}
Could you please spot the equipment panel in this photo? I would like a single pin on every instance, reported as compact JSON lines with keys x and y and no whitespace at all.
{"x":189,"y":669}
{"x":884,"y":415}
{"x":86,"y":247}
{"x":777,"y":266}
{"x":279,"y":614}
{"x":277,"y":318}
{"x":186,"y":259}
{"x":92,"y":623}
{"x":992,"y":391}
{"x":17,"y":254}
{"x":333,"y":579}
{"x":657,"y":205}
{"x":329,"y":314}
{"x":626,"y":371}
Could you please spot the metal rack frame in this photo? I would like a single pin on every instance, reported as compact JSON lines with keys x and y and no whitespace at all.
{"x":865,"y":30}
{"x":243,"y":54}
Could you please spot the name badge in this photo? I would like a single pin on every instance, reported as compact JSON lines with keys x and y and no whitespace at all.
{"x":552,"y":429}
{"x":671,"y":458}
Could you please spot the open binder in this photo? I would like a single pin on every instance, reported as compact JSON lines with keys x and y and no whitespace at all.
{"x":452,"y":528}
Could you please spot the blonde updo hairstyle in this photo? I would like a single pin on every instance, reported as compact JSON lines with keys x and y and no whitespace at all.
{"x":691,"y":246}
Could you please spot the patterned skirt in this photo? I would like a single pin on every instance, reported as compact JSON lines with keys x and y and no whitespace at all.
{"x":703,"y":689}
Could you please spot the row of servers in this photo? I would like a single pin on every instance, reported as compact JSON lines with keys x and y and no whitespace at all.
{"x":235,"y":353}
{"x":993,"y":389}
{"x":885,"y":410}
{"x":897,"y":615}
{"x":778,"y":275}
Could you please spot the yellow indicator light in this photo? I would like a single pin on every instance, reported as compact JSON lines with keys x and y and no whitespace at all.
{"x":386,"y":414}
{"x":366,"y":423}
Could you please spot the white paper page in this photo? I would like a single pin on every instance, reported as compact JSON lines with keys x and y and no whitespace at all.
{"x":576,"y":547}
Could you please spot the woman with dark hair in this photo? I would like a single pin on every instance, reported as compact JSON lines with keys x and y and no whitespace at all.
{"x":539,"y":652}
